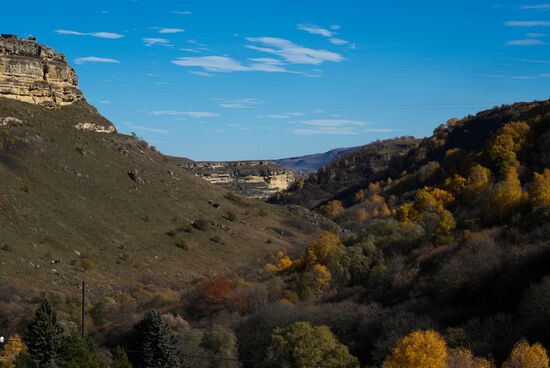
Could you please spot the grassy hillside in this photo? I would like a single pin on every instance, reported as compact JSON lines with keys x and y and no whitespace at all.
{"x":107,"y":208}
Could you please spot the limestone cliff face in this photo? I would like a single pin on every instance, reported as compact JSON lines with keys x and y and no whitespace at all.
{"x":254,"y":179}
{"x":37,"y":74}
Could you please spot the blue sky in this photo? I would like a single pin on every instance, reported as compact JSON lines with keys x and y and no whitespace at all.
{"x":233,"y":80}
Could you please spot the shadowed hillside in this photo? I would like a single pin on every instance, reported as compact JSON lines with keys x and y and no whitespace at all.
{"x":107,"y":208}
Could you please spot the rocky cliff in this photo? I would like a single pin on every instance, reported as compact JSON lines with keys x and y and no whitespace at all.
{"x":35,"y":73}
{"x":254,"y":179}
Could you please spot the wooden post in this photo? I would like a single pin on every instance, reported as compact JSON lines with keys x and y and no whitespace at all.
{"x":83,"y":307}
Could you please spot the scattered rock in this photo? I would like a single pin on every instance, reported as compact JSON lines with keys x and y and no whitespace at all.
{"x":134,"y":175}
{"x":11,"y":121}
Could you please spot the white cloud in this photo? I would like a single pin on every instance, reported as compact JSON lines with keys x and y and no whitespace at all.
{"x":154,"y":41}
{"x":108,"y":35}
{"x":95,"y":59}
{"x":330,"y":126}
{"x":537,"y":7}
{"x":536,"y":35}
{"x":241,"y":103}
{"x":291,"y":52}
{"x":529,"y":23}
{"x":171,"y":30}
{"x":225,"y":64}
{"x":181,"y":12}
{"x":526,"y":42}
{"x":313,"y":29}
{"x":338,"y":41}
{"x":105,"y":102}
{"x":522,"y":77}
{"x":286,"y":115}
{"x":191,"y":114}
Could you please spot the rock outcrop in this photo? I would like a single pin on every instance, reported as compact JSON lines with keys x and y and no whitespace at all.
{"x":253,"y":179}
{"x":35,"y":73}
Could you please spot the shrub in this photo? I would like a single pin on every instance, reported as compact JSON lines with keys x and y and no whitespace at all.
{"x":182,"y":244}
{"x":231,"y":216}
{"x":201,"y":224}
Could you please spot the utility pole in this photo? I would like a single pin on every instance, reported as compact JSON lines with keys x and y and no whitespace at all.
{"x":83,"y":307}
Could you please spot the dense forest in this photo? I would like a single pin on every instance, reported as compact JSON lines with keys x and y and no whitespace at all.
{"x":441,"y":260}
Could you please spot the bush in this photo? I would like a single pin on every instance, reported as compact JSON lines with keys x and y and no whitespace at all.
{"x":182,"y":244}
{"x":201,"y":224}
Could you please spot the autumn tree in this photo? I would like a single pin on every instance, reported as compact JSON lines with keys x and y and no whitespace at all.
{"x":302,"y":345}
{"x":11,"y":350}
{"x":539,"y":195}
{"x":419,"y":349}
{"x":524,"y":355}
{"x":463,"y":358}
{"x":479,"y":179}
{"x":507,"y":195}
{"x":332,"y":209}
{"x":504,"y":147}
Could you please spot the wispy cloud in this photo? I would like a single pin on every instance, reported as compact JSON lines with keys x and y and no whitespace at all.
{"x":337,"y":41}
{"x":241,"y":103}
{"x":537,"y":7}
{"x":526,"y":42}
{"x":329,"y":33}
{"x":95,"y":59}
{"x":545,"y":75}
{"x":527,"y":23}
{"x":286,"y":115}
{"x":108,"y":35}
{"x":313,"y":29}
{"x":191,"y":114}
{"x":105,"y":102}
{"x":330,"y":126}
{"x":291,"y":52}
{"x":170,"y":30}
{"x":181,"y":12}
{"x":536,"y":35}
{"x":225,"y":64}
{"x":155,"y":41}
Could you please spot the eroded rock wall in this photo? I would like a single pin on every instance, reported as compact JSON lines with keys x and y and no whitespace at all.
{"x":35,"y":73}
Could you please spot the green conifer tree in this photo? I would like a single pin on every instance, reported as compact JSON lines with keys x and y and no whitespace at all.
{"x":44,"y":337}
{"x":120,"y":359}
{"x":155,"y":342}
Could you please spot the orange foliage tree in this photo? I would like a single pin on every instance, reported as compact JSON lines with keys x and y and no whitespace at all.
{"x":419,"y":349}
{"x":332,"y":209}
{"x":507,"y":195}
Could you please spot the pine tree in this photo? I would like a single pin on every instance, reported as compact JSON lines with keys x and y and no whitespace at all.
{"x":155,"y":342}
{"x":44,"y":336}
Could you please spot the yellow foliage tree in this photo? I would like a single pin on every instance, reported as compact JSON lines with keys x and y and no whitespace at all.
{"x":507,"y":194}
{"x":479,"y":179}
{"x":419,"y":349}
{"x":326,"y":247}
{"x":445,"y":226}
{"x":539,"y":194}
{"x":332,"y":209}
{"x":456,"y":184}
{"x":507,"y":143}
{"x":13,"y":347}
{"x":384,"y":210}
{"x":321,"y":277}
{"x":524,"y":355}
